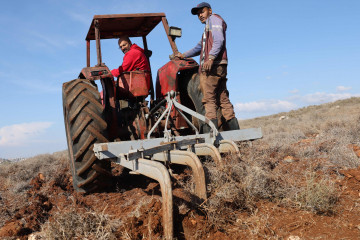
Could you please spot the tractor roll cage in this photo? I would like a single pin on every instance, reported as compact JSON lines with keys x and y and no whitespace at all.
{"x":131,"y":25}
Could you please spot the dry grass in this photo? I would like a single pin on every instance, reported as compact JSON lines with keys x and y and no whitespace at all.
{"x":237,"y":187}
{"x":319,"y":194}
{"x":263,"y":173}
{"x":80,"y":224}
{"x":16,"y":177}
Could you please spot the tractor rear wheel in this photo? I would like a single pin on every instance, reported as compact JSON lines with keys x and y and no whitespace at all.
{"x":195,"y":94}
{"x":85,"y":125}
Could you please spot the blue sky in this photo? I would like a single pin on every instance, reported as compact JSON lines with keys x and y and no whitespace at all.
{"x":283,"y":55}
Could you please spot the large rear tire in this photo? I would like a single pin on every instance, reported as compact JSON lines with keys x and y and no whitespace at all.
{"x":195,"y":94}
{"x":85,"y":125}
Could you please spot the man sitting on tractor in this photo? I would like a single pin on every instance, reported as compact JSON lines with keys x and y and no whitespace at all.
{"x":134,"y":58}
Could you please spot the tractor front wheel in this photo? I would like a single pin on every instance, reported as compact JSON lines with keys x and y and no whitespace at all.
{"x":85,"y":125}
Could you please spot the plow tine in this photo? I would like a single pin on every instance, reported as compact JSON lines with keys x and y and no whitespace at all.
{"x":158,"y":171}
{"x":227,"y":146}
{"x":189,"y":159}
{"x":206,"y":149}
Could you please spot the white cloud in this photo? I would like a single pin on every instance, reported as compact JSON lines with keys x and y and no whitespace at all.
{"x":294,"y":91}
{"x":322,"y":97}
{"x":17,"y":134}
{"x":342,"y":88}
{"x":266,"y":105}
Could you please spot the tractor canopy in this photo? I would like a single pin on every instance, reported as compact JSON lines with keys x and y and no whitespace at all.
{"x":132,"y":25}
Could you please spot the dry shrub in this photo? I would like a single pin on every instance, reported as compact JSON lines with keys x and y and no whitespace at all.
{"x":343,"y":157}
{"x":258,"y":226}
{"x":79,"y":224}
{"x":236,"y":187}
{"x":319,"y":194}
{"x":17,"y":175}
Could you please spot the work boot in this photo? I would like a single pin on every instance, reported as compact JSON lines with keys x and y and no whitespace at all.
{"x":206,"y":128}
{"x":233,"y":124}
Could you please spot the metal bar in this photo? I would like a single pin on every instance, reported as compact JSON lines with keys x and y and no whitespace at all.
{"x":189,"y":159}
{"x":157,"y":122}
{"x":206,"y":149}
{"x":227,"y":146}
{"x":151,"y":80}
{"x":114,"y":149}
{"x":164,"y":147}
{"x":197,"y":115}
{"x":129,"y":15}
{"x":145,"y":46}
{"x":167,"y":119}
{"x":157,"y":171}
{"x":88,"y":53}
{"x":189,"y":122}
{"x":171,"y":41}
{"x":97,"y":38}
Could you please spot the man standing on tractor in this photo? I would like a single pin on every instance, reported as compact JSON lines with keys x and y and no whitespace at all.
{"x":213,"y":66}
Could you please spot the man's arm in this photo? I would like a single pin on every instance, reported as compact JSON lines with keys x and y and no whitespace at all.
{"x":216,"y":27}
{"x":128,"y":61}
{"x":195,"y":51}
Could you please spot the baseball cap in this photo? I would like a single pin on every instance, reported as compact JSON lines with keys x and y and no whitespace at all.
{"x":199,"y":6}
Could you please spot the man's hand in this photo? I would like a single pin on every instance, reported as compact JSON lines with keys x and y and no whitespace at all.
{"x":207,"y":65}
{"x":115,"y":72}
{"x":180,"y":55}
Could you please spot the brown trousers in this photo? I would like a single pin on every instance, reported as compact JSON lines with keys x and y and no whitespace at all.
{"x":213,"y":87}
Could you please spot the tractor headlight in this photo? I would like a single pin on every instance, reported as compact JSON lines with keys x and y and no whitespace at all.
{"x":175,"y":32}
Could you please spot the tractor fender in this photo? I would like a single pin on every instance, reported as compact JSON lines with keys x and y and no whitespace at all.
{"x":95,"y":73}
{"x":167,"y":79}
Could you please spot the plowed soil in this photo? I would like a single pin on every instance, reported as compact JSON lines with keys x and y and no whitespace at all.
{"x":272,"y":220}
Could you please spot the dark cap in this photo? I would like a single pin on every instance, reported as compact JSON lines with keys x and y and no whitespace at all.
{"x":199,"y":6}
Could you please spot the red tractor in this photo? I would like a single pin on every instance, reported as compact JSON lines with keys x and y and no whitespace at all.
{"x":129,"y":126}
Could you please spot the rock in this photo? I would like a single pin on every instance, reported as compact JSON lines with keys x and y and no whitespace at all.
{"x":293,"y":238}
{"x":36,"y":236}
{"x":41,"y":177}
{"x":289,"y":159}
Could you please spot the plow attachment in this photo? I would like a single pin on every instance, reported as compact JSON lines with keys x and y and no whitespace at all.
{"x":144,"y":156}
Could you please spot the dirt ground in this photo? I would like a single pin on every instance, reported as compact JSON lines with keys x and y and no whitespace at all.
{"x":271,"y":220}
{"x":135,"y":202}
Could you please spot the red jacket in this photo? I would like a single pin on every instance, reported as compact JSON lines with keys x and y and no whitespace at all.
{"x":134,"y":59}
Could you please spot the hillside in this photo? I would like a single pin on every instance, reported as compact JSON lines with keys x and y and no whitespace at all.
{"x":301,"y":181}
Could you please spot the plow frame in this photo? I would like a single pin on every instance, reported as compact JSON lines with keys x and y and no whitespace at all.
{"x":144,"y":156}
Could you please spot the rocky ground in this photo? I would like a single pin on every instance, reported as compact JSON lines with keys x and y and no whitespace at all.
{"x":301,"y":181}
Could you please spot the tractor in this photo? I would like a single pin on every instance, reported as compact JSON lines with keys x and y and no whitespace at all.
{"x":124,"y":123}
